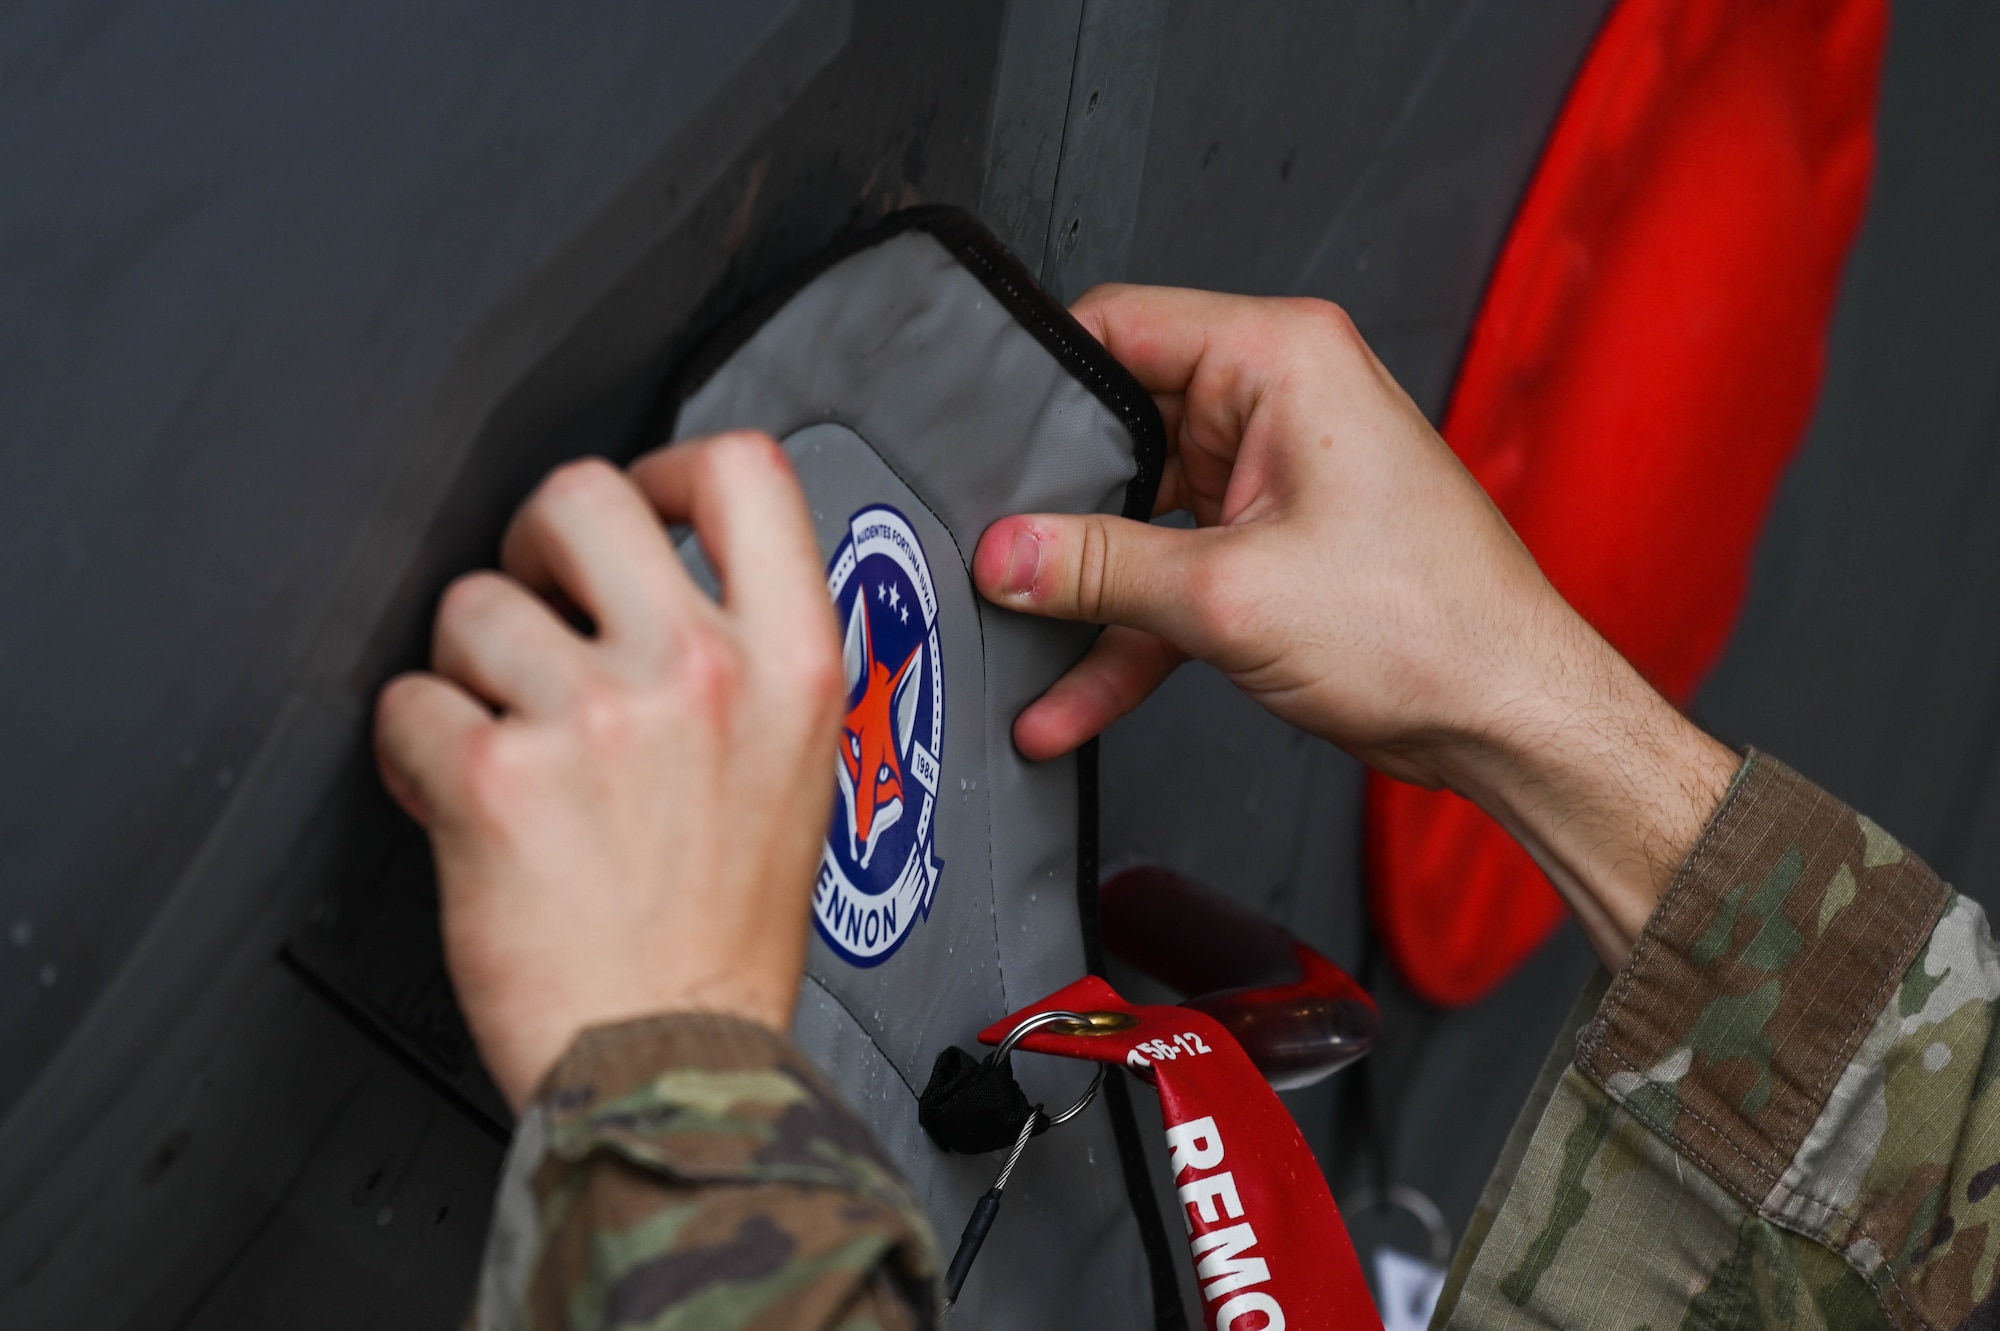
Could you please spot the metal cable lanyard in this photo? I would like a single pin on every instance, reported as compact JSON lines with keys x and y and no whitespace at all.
{"x":988,"y":1206}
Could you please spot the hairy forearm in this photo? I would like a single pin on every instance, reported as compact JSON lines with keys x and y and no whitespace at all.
{"x":1603,"y":781}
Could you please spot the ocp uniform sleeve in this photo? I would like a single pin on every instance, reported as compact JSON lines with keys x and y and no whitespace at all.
{"x":1783,"y":1112}
{"x":694,"y":1171}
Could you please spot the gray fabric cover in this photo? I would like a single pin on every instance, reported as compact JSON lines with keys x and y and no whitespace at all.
{"x":896,"y":378}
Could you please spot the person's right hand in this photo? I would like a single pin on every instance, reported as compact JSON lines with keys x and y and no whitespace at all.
{"x":1349,"y":574}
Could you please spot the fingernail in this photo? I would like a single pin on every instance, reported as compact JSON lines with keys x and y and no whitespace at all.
{"x":1023,"y":562}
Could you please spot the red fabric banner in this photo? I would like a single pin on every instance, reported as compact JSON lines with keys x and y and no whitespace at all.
{"x":1644,"y":365}
{"x":1267,"y":1243}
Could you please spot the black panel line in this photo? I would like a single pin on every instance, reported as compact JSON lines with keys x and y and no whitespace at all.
{"x":358,"y":1016}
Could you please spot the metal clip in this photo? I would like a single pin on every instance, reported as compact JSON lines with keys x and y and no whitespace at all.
{"x":988,"y":1206}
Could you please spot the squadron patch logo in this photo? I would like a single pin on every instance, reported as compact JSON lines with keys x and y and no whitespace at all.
{"x":879,"y":868}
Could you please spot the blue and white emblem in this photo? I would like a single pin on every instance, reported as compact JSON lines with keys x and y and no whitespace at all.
{"x":879,"y":869}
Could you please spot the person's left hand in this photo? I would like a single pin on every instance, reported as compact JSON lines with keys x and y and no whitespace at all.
{"x":627,"y":820}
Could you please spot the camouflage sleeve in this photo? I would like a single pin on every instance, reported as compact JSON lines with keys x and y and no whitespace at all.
{"x":1782,"y":1113}
{"x":691,"y":1171}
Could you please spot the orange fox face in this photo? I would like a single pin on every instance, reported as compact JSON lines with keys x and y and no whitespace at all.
{"x":876,"y":736}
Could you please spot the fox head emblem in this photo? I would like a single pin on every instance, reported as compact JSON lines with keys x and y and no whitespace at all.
{"x":879,"y":867}
{"x":876,"y":738}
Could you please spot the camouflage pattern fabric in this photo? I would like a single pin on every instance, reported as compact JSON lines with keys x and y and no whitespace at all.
{"x":691,"y":1171}
{"x":1783,"y":1112}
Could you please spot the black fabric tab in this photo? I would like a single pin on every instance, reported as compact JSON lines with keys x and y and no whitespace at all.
{"x":971,"y":1106}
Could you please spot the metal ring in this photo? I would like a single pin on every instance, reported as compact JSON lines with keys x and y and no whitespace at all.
{"x":1402,"y":1197}
{"x":1035,"y":1023}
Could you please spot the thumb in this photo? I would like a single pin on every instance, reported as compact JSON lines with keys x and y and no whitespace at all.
{"x":1098,"y":568}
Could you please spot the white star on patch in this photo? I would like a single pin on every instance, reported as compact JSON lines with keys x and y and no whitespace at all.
{"x":906,"y":614}
{"x":895,"y":597}
{"x":881,"y":591}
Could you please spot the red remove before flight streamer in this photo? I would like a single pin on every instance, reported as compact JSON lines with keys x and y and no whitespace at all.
{"x":1643,"y":369}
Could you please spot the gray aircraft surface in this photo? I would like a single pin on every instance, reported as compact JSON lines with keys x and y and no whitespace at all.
{"x":296,"y":304}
